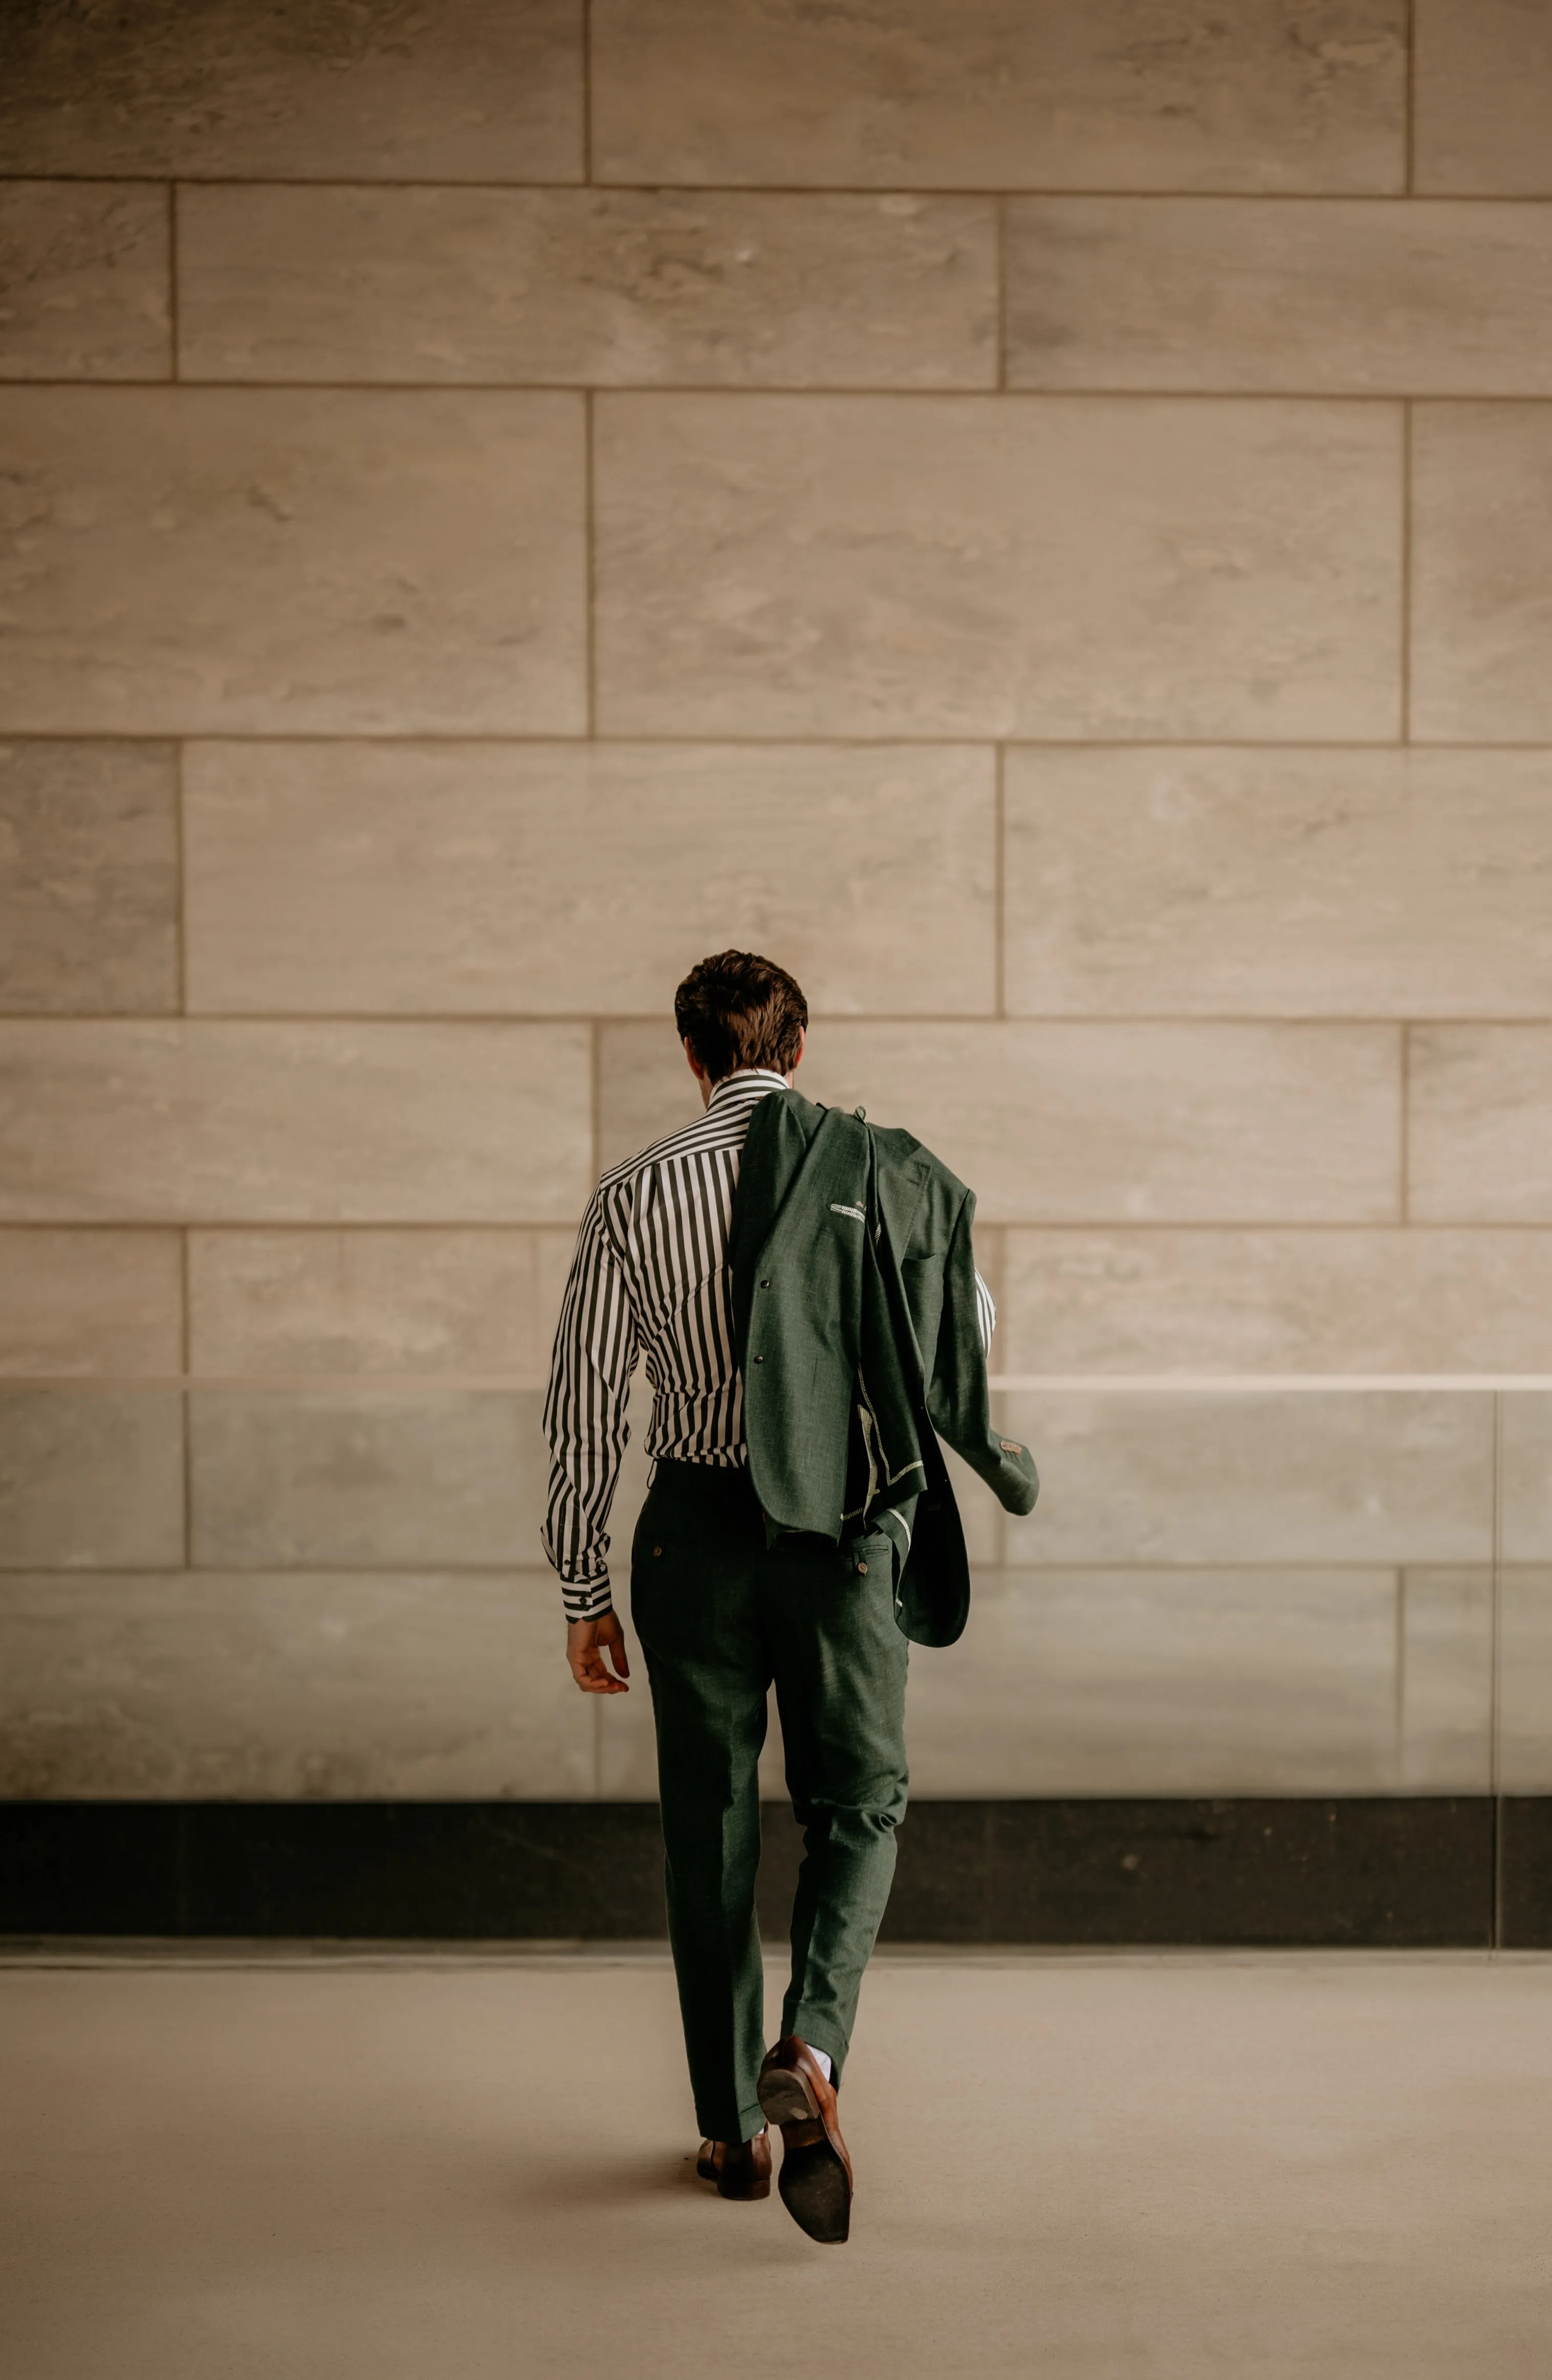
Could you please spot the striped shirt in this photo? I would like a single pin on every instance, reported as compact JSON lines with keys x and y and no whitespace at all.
{"x":650,"y":1283}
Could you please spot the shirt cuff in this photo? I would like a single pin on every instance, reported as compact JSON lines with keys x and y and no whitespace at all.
{"x":589,"y":1600}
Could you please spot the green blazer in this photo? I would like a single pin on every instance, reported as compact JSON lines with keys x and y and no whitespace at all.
{"x":854,"y":1303}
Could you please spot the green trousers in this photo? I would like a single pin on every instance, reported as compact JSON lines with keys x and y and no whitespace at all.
{"x":720,"y":1615}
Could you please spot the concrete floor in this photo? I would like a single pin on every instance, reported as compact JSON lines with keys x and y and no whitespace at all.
{"x":1142,"y":2167}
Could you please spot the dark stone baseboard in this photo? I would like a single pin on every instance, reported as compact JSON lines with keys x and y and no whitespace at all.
{"x":1403,"y":1873}
{"x":1525,"y":1920}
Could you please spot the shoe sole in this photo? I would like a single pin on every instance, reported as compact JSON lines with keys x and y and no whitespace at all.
{"x":813,"y":2181}
{"x":814,"y":2187}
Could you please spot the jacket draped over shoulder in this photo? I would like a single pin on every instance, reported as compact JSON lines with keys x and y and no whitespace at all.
{"x":855,"y":1311}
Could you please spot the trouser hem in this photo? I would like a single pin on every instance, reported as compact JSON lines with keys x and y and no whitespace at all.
{"x":749,"y":2122}
{"x":820,"y":2034}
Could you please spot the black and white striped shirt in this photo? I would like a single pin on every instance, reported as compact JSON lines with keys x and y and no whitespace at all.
{"x":651,"y":1282}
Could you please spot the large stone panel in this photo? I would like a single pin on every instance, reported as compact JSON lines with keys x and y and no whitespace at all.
{"x":1270,"y":94}
{"x":1210,"y":1681}
{"x":369,"y":1299}
{"x":1483,"y":96}
{"x":1482,"y":573}
{"x":185,"y":559}
{"x":653,"y":287}
{"x":90,"y":1301}
{"x":1294,"y":883}
{"x":1526,"y":1475}
{"x":1446,"y":1681}
{"x":1324,"y":296}
{"x":1161,"y":1682}
{"x":303,"y":1123}
{"x":472,"y":877}
{"x":998,"y":565}
{"x":84,"y":281}
{"x":1479,"y":1144}
{"x":1416,"y":1299}
{"x":1147,"y":1122}
{"x":89,"y":888}
{"x":1268,"y":1477}
{"x":90,"y":1478}
{"x":645,"y":1089}
{"x":1526,"y":1672}
{"x":361,"y":1478}
{"x":321,"y":89}
{"x":302,"y":1686}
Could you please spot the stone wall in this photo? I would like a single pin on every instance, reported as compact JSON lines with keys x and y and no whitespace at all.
{"x":1039,"y":517}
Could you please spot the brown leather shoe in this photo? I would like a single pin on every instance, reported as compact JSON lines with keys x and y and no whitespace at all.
{"x":739,"y":2168}
{"x":816,"y":2177}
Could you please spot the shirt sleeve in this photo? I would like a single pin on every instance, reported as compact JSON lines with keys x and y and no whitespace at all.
{"x":595,"y":1354}
{"x":986,"y":1315}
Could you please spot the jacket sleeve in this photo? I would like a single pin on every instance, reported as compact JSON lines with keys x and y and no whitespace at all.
{"x":958,"y":1399}
{"x":585,"y":1416}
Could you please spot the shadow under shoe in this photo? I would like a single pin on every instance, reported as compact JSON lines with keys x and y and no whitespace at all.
{"x":816,"y":2177}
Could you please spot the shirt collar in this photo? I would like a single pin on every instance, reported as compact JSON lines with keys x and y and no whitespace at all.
{"x":747,"y":1078}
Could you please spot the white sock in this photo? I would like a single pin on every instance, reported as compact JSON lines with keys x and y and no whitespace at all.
{"x":822,"y":2058}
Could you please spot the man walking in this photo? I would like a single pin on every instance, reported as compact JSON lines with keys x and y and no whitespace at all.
{"x":808,"y":1342}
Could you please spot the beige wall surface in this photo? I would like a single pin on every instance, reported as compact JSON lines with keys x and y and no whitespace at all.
{"x":1039,"y":518}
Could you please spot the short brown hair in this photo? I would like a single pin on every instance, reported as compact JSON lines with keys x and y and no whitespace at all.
{"x":739,"y":1010}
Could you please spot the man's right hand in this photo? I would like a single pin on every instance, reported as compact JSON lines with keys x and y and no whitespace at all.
{"x":585,"y":1642}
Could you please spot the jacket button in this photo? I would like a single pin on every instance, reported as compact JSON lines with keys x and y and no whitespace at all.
{"x":759,"y":1359}
{"x":765,"y":1284}
{"x":862,"y":1565}
{"x":657,"y":1549}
